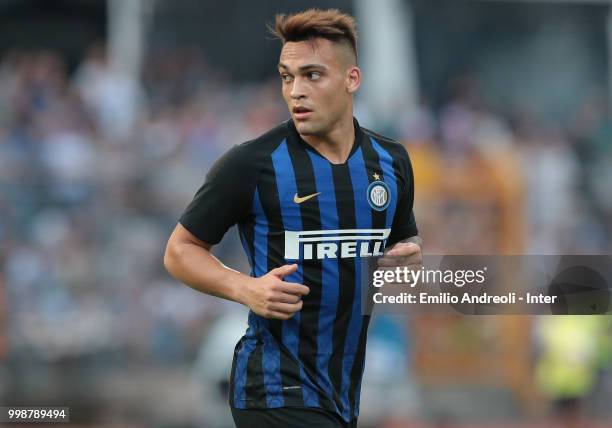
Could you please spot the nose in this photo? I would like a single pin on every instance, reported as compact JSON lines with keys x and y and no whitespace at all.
{"x":297,"y":89}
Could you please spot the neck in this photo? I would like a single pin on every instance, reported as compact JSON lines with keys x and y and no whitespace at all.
{"x":336,"y":145}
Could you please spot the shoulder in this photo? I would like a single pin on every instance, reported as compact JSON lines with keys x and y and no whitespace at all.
{"x":263,"y":144}
{"x":246,"y":157}
{"x":396,"y":149}
{"x":380,"y":138}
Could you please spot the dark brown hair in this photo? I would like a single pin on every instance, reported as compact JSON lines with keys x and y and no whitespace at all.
{"x":330,"y":24}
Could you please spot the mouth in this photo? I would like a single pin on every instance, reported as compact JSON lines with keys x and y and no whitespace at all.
{"x":301,"y":113}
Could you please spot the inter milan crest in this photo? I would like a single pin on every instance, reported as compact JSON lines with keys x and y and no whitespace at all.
{"x":378,"y":195}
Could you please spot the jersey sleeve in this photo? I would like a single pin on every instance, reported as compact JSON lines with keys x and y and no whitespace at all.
{"x":404,"y":223}
{"x":223,"y":200}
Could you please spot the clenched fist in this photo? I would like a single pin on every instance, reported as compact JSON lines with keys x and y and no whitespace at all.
{"x":271,"y":297}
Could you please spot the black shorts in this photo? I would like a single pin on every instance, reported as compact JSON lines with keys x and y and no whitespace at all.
{"x":289,"y":417}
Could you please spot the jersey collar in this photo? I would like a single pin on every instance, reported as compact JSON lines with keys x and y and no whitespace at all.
{"x":295,"y":136}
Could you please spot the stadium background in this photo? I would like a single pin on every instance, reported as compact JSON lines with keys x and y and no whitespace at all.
{"x":111,"y":112}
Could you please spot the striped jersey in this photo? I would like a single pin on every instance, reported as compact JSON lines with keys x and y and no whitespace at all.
{"x":292,"y":205}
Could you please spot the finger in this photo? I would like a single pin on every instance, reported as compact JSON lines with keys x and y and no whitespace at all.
{"x":286,"y":308}
{"x":411,"y":256}
{"x":414,"y":256}
{"x":284,"y":270}
{"x":415,"y":259}
{"x":295,"y":288}
{"x":285,"y":297}
{"x":403,"y":249}
{"x":279,"y":315}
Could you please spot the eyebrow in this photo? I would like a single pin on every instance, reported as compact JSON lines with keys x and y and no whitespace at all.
{"x":304,"y":67}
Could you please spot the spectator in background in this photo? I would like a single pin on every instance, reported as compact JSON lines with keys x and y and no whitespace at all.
{"x":112,"y":98}
{"x":566,"y":368}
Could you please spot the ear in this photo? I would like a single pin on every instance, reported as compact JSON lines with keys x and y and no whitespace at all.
{"x":353,"y":79}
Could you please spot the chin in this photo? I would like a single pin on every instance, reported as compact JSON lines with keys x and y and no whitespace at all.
{"x":304,"y":128}
{"x":307,"y":128}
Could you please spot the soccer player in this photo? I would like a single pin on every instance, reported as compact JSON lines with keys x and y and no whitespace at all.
{"x":311,"y":197}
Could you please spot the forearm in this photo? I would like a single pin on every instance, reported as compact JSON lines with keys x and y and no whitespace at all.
{"x":416,"y":239}
{"x":196,"y":267}
{"x":406,"y":252}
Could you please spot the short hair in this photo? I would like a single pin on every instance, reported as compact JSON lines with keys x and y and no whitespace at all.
{"x":330,"y":24}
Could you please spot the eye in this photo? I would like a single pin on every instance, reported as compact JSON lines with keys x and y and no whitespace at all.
{"x":286,"y":77}
{"x":314,"y":75}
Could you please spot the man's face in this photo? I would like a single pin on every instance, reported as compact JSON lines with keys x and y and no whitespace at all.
{"x":317,"y":81}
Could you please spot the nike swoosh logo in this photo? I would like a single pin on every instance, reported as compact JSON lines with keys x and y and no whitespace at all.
{"x":299,"y":200}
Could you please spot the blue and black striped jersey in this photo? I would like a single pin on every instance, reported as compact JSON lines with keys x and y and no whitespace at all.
{"x":293,"y":206}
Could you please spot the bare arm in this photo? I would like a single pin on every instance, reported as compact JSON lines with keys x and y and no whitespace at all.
{"x":414,"y":239}
{"x":406,"y":252}
{"x":190,"y":261}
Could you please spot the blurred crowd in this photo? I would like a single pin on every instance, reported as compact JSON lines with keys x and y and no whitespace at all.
{"x":563,"y":163}
{"x":95,"y":169}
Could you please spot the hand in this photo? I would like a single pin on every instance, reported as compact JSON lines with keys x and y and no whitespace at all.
{"x":404,"y":253}
{"x":271,"y":297}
